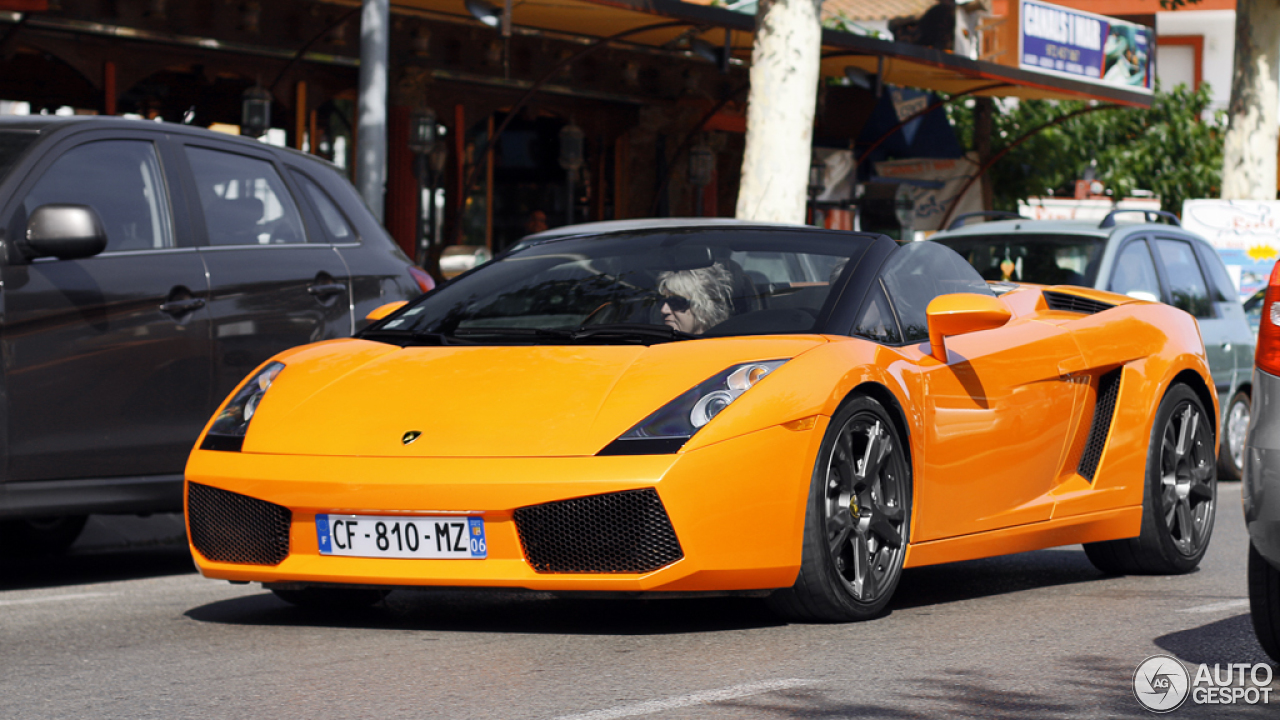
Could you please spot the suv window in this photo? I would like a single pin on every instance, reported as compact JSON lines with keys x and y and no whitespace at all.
{"x":916,"y":273}
{"x":1186,"y":281}
{"x":244,"y":199}
{"x":1044,"y":258}
{"x":1135,"y":273}
{"x":334,"y":222}
{"x":121,"y":181}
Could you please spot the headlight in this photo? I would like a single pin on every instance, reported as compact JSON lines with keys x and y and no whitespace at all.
{"x":228,"y":428}
{"x":668,"y":429}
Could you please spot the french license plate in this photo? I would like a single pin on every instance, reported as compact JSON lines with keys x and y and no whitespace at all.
{"x":453,"y":538}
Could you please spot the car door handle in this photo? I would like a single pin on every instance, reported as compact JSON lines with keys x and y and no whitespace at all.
{"x":324,"y":290}
{"x":181,"y":307}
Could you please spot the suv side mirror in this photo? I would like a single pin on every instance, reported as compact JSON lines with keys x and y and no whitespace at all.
{"x":960,"y":313}
{"x":67,"y":232}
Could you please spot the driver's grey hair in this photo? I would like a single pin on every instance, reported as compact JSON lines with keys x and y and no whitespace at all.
{"x":708,"y":289}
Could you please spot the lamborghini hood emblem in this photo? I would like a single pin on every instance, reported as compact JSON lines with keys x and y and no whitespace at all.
{"x":410,"y":436}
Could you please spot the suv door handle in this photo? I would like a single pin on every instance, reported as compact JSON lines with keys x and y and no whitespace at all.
{"x":324,"y":290}
{"x":181,"y":307}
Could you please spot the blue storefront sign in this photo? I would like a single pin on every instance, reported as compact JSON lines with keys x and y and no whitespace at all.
{"x":1081,"y":45}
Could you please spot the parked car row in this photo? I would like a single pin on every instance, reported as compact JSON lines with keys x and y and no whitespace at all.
{"x":147,"y":268}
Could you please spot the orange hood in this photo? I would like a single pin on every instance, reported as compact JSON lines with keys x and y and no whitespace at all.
{"x":360,"y":398}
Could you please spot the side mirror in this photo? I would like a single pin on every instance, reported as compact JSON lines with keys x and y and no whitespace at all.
{"x":67,"y":232}
{"x":961,"y":313}
{"x":384,"y":310}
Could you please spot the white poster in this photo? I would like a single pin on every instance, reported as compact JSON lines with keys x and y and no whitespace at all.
{"x":932,"y":185}
{"x":1245,"y":232}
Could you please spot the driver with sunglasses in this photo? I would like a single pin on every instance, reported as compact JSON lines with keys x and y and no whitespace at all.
{"x":695,"y":300}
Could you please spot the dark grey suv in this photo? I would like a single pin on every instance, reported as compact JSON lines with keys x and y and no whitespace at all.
{"x":147,"y":268}
{"x":1156,"y":261}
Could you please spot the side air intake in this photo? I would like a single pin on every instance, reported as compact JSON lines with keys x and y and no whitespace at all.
{"x":1103,"y":411}
{"x":1066,"y":302}
{"x":623,"y":532}
{"x":234,"y":528}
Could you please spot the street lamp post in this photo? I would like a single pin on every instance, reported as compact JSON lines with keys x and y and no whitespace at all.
{"x":571,"y":160}
{"x":422,"y":141}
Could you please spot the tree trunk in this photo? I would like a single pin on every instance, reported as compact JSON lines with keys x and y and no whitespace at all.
{"x":780,"y":107}
{"x":1249,"y":148}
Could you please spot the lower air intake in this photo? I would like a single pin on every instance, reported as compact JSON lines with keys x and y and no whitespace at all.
{"x":233,"y":528}
{"x":1103,"y":410}
{"x":625,"y":532}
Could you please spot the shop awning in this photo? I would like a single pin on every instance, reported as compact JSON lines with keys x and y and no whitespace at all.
{"x":897,"y":63}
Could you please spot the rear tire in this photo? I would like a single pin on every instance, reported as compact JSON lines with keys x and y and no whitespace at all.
{"x":857,"y":522}
{"x":39,"y":537}
{"x":1264,"y":602}
{"x":326,"y":598}
{"x":1179,"y":498}
{"x":1235,"y":427}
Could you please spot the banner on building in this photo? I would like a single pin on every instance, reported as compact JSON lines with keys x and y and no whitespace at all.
{"x":1081,"y":45}
{"x":931,"y":186}
{"x":1245,"y":232}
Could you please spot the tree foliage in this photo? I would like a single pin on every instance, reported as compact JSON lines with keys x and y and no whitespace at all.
{"x":1173,"y":149}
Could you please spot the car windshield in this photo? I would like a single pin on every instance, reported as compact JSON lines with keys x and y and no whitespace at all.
{"x":12,"y":145}
{"x":649,"y":286}
{"x":1047,"y":259}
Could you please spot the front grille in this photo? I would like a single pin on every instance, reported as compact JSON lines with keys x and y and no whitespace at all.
{"x":1067,"y":302}
{"x":233,"y":528}
{"x":625,"y":532}
{"x":1103,"y":410}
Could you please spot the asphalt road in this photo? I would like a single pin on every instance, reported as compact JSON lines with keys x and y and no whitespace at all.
{"x":124,"y":628}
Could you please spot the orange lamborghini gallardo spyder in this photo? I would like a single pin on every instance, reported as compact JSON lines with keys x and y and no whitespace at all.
{"x":712,"y":408}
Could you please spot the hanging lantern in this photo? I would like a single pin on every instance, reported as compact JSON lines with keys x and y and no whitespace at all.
{"x":422,"y":131}
{"x":817,"y":177}
{"x":571,"y":147}
{"x":255,"y":112}
{"x":702,"y":164}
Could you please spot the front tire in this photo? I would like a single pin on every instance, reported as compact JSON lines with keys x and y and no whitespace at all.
{"x":1179,"y":498}
{"x":1264,"y":602}
{"x":857,"y":522}
{"x":1234,"y":429}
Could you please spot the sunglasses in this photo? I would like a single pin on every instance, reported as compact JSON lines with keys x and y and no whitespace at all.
{"x":676,"y":302}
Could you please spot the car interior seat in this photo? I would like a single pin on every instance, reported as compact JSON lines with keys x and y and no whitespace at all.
{"x":234,"y":221}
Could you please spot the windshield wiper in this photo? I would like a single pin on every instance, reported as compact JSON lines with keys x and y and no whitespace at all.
{"x":412,"y":336}
{"x":631,"y":330}
{"x":514,"y":331}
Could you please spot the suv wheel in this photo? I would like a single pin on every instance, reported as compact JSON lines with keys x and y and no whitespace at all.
{"x":1234,"y":429}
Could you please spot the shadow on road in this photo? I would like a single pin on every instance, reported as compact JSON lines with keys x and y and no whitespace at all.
{"x":126,"y":564}
{"x":498,"y":611}
{"x":1225,"y":641}
{"x":469,"y":610}
{"x":1098,"y":688}
{"x":954,"y":582}
{"x":111,"y":548}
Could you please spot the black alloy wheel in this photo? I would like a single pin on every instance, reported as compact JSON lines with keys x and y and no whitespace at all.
{"x":858,"y":520}
{"x":1180,"y":495}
